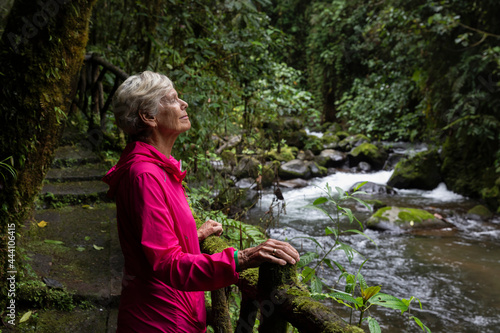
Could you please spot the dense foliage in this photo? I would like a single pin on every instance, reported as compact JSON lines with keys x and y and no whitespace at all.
{"x":393,"y":70}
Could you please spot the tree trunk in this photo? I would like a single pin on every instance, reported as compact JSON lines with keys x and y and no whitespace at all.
{"x":42,"y":51}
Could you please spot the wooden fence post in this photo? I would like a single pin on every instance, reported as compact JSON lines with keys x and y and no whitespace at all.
{"x":271,"y":278}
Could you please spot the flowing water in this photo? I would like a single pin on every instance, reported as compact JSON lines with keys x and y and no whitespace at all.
{"x":455,"y":272}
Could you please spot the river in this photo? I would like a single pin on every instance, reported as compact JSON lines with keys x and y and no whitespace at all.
{"x":455,"y":272}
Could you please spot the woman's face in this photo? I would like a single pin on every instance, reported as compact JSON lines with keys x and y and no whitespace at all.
{"x":172,"y":116}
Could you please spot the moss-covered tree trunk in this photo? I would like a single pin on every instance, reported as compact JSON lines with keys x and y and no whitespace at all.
{"x":41,"y":51}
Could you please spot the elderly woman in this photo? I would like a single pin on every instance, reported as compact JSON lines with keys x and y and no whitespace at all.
{"x":164,"y":273}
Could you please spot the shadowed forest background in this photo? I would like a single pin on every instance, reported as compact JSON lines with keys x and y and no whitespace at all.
{"x":398,"y":71}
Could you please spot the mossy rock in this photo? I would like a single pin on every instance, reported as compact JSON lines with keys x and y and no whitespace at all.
{"x":247,"y":167}
{"x":352,"y":141}
{"x":468,"y":169}
{"x":286,"y":154}
{"x":421,"y":171}
{"x":314,"y":144}
{"x":330,"y":140}
{"x":295,"y":169}
{"x":401,"y":218}
{"x":268,"y":176}
{"x":296,"y":138}
{"x":229,"y":158}
{"x":342,"y":134}
{"x":368,"y":152}
{"x":480,"y":212}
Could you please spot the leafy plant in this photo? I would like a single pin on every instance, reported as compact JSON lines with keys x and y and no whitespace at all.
{"x":6,"y":164}
{"x":357,"y":294}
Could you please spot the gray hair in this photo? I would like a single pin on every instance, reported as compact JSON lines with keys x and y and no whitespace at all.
{"x":139,"y":93}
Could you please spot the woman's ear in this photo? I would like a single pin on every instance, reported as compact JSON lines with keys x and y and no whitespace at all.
{"x":147,"y":120}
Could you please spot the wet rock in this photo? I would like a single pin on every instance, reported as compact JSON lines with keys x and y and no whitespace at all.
{"x":305,"y":155}
{"x":245,"y":183}
{"x":295,"y":169}
{"x":364,"y":167}
{"x":392,"y":160}
{"x":368,"y":152}
{"x":420,"y":171}
{"x":330,"y":158}
{"x":373,"y":188}
{"x":316,"y":170}
{"x":479,"y":213}
{"x":404,"y":219}
{"x":247,"y":167}
{"x":352,"y":141}
{"x":294,"y":183}
{"x":52,"y":283}
{"x":231,"y":142}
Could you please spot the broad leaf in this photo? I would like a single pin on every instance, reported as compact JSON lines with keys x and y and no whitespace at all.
{"x":419,"y":323}
{"x":373,"y":325}
{"x":389,"y":301}
{"x":320,"y":201}
{"x":305,"y":259}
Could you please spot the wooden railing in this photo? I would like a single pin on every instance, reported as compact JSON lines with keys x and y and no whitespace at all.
{"x":274,"y":294}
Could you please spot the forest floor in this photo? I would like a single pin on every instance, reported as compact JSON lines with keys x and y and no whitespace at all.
{"x":72,"y":245}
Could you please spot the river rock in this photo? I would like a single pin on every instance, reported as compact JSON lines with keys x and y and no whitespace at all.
{"x":294,"y":183}
{"x":247,"y":167}
{"x":367,"y":152}
{"x":352,"y":141}
{"x":295,"y":169}
{"x":420,"y":171}
{"x":330,"y":140}
{"x":231,"y":142}
{"x":404,"y":219}
{"x":316,"y":170}
{"x":330,"y":158}
{"x":373,"y":188}
{"x":306,"y":155}
{"x":480,"y":213}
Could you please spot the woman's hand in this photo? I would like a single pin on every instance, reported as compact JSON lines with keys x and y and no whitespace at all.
{"x":272,"y":250}
{"x":209,"y":228}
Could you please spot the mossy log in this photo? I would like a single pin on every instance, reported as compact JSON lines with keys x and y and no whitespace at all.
{"x":281,"y":298}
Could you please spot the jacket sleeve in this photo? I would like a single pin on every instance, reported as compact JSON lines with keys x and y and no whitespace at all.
{"x":162,"y":246}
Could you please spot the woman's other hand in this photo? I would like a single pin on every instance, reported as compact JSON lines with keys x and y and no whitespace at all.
{"x":208,"y":228}
{"x":272,"y":250}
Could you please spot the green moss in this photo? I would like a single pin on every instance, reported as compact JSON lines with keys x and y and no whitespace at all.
{"x":415,"y":215}
{"x":379,"y":214}
{"x":286,"y":154}
{"x":36,"y":294}
{"x":481,"y":211}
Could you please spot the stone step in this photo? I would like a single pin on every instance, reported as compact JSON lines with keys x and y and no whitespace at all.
{"x":78,"y":248}
{"x":75,"y":192}
{"x":74,"y":155}
{"x":80,"y":172}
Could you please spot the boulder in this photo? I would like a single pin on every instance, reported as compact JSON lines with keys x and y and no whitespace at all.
{"x":305,"y":155}
{"x":316,"y":170}
{"x":352,"y":141}
{"x":480,"y":213}
{"x":295,"y":138}
{"x":286,"y":154}
{"x":231,"y":142}
{"x":330,"y":158}
{"x":367,"y":152}
{"x":404,"y":219}
{"x":247,"y":167}
{"x":330,"y":140}
{"x":420,"y":171}
{"x":295,"y":169}
{"x":373,"y":188}
{"x":294,"y":183}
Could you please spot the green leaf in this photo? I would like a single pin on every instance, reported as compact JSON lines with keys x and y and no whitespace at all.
{"x":320,"y":201}
{"x":316,"y":285}
{"x":80,"y":249}
{"x":359,"y":186}
{"x":305,"y":259}
{"x":56,"y":242}
{"x":370,"y":292}
{"x":373,"y":325}
{"x":25,"y":317}
{"x":419,"y":323}
{"x":98,"y":248}
{"x":329,"y":231}
{"x":389,"y":301}
{"x":307,"y":274}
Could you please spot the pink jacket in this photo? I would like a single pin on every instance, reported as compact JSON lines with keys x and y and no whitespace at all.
{"x":165,"y":274}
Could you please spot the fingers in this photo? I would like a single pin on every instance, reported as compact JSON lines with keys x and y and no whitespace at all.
{"x":280,"y":252}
